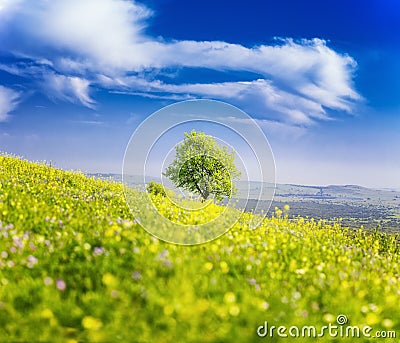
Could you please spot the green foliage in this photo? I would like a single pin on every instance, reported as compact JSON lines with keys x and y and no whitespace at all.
{"x":156,"y":188}
{"x":76,"y":267}
{"x":203,"y":167}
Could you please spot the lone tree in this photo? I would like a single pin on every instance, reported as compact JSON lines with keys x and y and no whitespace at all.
{"x":202,"y":166}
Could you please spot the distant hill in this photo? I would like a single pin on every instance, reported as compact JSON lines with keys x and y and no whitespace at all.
{"x":356,"y":205}
{"x":295,"y":192}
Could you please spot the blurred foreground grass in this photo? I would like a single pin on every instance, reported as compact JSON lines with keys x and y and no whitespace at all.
{"x":74,"y":266}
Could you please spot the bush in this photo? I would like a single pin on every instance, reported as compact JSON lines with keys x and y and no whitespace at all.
{"x":156,"y":188}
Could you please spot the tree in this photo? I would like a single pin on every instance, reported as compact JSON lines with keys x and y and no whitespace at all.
{"x":202,"y":166}
{"x":156,"y":188}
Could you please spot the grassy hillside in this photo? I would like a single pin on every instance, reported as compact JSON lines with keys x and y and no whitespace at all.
{"x":74,"y":266}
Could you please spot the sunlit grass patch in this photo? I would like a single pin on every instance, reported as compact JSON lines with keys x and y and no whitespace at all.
{"x":75,"y":265}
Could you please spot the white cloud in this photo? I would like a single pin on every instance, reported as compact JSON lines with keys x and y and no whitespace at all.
{"x":9,"y":6}
{"x":8,"y":102}
{"x":91,"y":122}
{"x":102,"y":41}
{"x":281,"y":130}
{"x":103,"y":32}
{"x":69,"y":88}
{"x":4,"y":4}
{"x":260,"y":96}
{"x":278,"y":129}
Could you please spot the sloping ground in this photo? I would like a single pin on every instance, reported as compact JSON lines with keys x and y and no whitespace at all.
{"x":74,"y":266}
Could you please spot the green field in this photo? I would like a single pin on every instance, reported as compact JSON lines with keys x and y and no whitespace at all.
{"x":76,"y":267}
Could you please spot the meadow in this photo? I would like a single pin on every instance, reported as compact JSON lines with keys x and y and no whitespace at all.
{"x":75,"y":266}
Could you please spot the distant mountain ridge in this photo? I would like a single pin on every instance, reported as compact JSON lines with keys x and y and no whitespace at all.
{"x":295,"y":191}
{"x":356,"y":205}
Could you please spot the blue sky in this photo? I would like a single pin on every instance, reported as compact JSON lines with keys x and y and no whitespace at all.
{"x":322,"y":79}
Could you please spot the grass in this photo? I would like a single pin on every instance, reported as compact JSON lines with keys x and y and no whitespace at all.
{"x":75,"y":266}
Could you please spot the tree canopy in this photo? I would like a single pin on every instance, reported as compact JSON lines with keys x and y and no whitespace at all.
{"x":202,"y":166}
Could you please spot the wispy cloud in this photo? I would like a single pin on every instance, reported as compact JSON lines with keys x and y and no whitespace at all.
{"x":69,"y":88}
{"x":103,"y":43}
{"x":9,"y":100}
{"x":168,"y":96}
{"x":91,"y":122}
{"x":260,"y":96}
